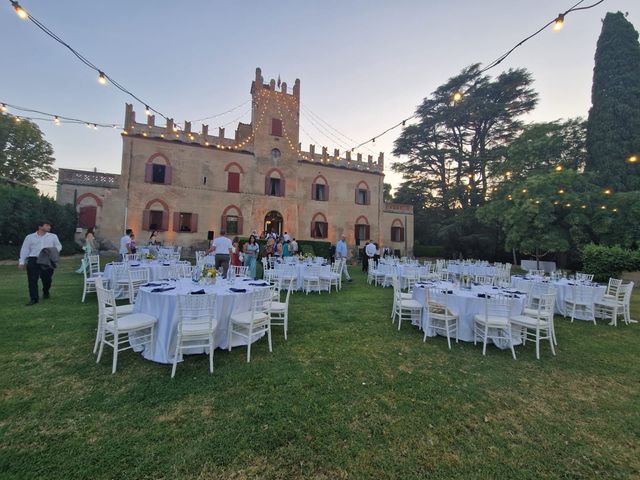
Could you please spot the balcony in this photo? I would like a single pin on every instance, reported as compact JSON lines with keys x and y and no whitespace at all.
{"x":92,"y":179}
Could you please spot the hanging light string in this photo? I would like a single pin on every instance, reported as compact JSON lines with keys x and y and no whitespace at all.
{"x":103,"y":77}
{"x":52,"y":117}
{"x":557,"y":22}
{"x":222,"y":113}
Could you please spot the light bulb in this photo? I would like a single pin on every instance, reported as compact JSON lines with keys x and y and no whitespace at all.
{"x":17,"y":119}
{"x":3,"y":108}
{"x":457,"y":96}
{"x":561,"y":191}
{"x":559,"y":23}
{"x":559,"y":168}
{"x":631,"y":159}
{"x":21,"y":12}
{"x":102,"y":78}
{"x":607,"y":192}
{"x":147,"y":110}
{"x":56,"y":120}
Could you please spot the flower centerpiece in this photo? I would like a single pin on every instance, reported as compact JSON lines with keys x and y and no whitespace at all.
{"x":466,"y":282}
{"x":149,"y":256}
{"x":209,"y":274}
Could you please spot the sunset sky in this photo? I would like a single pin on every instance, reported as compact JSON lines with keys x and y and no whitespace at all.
{"x":363,"y":64}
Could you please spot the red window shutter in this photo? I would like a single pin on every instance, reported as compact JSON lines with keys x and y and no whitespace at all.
{"x":326,"y":193}
{"x":401,"y":234}
{"x":168,"y":176}
{"x":367,"y":232}
{"x":281,"y":193}
{"x":267,"y":181}
{"x":223,"y":223}
{"x":313,"y":230}
{"x":356,"y":200}
{"x":313,"y":191}
{"x":194,"y":222}
{"x":367,"y":198}
{"x":146,"y":219}
{"x":176,"y":221}
{"x":233,"y":182}
{"x":165,"y":221}
{"x":148,"y":172}
{"x":239,"y":225}
{"x":276,"y":127}
{"x":325,"y":230}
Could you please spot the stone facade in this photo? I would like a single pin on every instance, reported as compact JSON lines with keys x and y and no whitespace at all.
{"x":187,"y":184}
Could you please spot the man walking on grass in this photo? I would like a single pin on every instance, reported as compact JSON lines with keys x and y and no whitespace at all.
{"x":39,"y":255}
{"x":341,"y":255}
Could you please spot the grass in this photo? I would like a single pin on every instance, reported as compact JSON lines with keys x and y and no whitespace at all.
{"x":347,"y":396}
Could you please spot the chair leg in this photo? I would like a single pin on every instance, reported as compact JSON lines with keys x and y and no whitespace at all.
{"x":211,"y":353}
{"x":115,"y":353}
{"x":101,"y":346}
{"x":484,"y":340}
{"x":249,"y":351}
{"x":84,"y":292}
{"x":98,"y":335}
{"x":286,"y":321}
{"x":229,"y":333}
{"x":269,"y":338}
{"x":537,"y":344}
{"x":553,"y":350}
{"x":446,"y":325}
{"x":175,"y":357}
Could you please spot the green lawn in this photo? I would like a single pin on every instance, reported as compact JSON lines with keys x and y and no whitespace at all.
{"x":347,"y":396}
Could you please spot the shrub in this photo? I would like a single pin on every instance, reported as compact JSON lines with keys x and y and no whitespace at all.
{"x":605,"y":262}
{"x":432,"y":251}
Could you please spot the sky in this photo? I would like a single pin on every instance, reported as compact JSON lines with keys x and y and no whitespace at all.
{"x":364,"y":65}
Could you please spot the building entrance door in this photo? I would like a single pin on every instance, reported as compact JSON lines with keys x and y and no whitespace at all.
{"x":273,"y":222}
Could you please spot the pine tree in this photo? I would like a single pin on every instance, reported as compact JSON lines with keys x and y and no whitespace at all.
{"x":613,"y":127}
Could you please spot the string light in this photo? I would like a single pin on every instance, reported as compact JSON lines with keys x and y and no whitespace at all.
{"x":3,"y":107}
{"x":147,"y":110}
{"x":500,"y":59}
{"x":607,"y":192}
{"x":56,"y":120}
{"x":457,"y":96}
{"x":558,"y":168}
{"x":21,"y":12}
{"x":561,"y":191}
{"x":102,"y":79}
{"x":558,"y":23}
{"x":632,"y":159}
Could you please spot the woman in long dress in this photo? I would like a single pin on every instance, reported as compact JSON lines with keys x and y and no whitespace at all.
{"x":251,"y":249}
{"x":90,"y":248}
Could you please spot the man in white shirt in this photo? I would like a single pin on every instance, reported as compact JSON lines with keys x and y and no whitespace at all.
{"x":221,"y":247}
{"x":286,"y":237}
{"x":342,"y":252}
{"x":124,"y":243}
{"x":293,"y":247}
{"x":33,"y":244}
{"x":370,"y":251}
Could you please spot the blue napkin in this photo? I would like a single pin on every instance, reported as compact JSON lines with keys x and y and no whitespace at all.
{"x":166,"y":264}
{"x":482,"y":295}
{"x":247,"y":279}
{"x":198,"y":292}
{"x":450,"y":292}
{"x":238,"y":290}
{"x":159,"y":290}
{"x":135,"y":264}
{"x":152,"y":284}
{"x":264,"y":284}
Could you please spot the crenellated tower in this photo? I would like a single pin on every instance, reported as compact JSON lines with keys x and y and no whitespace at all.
{"x":275,"y":117}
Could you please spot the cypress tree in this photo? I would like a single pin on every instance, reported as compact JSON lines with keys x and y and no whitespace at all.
{"x":613,"y":127}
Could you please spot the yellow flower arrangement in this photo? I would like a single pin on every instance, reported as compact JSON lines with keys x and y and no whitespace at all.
{"x":209,"y":272}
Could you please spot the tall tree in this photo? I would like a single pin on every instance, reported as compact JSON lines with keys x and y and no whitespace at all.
{"x":386,"y":193}
{"x":543,"y":147}
{"x":613,"y":127}
{"x":463,"y":128}
{"x":25,"y":156}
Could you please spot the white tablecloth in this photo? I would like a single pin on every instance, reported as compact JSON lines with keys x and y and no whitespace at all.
{"x":163,"y":306}
{"x":465,"y":304}
{"x":462,"y":269}
{"x":301,"y":270}
{"x":563,"y":288}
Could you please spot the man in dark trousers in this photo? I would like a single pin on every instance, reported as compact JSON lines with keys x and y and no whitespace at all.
{"x":41,"y":243}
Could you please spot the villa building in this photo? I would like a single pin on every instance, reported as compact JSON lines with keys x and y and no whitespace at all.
{"x":190,"y":184}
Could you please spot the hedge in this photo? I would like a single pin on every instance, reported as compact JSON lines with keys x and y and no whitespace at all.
{"x":431,"y":251}
{"x":20,"y":210}
{"x":607,"y":262}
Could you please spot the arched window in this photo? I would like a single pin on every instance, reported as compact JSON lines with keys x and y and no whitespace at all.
{"x":234,"y":171}
{"x":397,"y":231}
{"x":319,"y":226}
{"x":274,"y":183}
{"x":231,"y":220}
{"x":88,"y":204}
{"x":155,"y":216}
{"x":362,"y":230}
{"x":158,"y":169}
{"x":363,"y":194}
{"x":320,"y":189}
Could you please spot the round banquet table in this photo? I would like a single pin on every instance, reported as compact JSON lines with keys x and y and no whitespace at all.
{"x":163,"y":306}
{"x":301,"y":270}
{"x":462,"y":269}
{"x":563,"y":288}
{"x":465,"y":304}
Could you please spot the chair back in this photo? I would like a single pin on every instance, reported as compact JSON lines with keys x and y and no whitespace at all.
{"x":196,"y":312}
{"x":137,"y":278}
{"x":120,"y":272}
{"x":497,"y":306}
{"x":261,"y":301}
{"x":612,"y":287}
{"x":94,"y":264}
{"x":582,"y":294}
{"x":239,"y":271}
{"x":546,"y":303}
{"x":107,"y":305}
{"x":131,"y":257}
{"x":584,"y":277}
